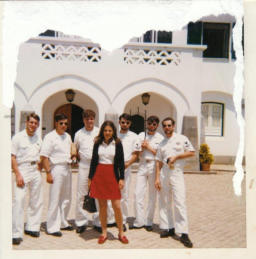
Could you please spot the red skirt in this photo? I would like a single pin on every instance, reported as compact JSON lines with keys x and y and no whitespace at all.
{"x":104,"y":184}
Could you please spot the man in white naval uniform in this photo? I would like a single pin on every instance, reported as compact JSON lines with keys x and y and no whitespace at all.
{"x":56,"y":153}
{"x":131,"y":146}
{"x":170,"y":158}
{"x":25,"y":151}
{"x":84,"y":140}
{"x":146,"y":175}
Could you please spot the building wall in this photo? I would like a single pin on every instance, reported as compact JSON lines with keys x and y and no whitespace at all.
{"x":227,"y":144}
{"x":176,"y":89}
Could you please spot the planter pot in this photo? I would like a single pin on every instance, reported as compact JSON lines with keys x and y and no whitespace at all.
{"x":205,"y":167}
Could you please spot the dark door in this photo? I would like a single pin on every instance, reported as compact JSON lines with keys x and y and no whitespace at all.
{"x":74,"y":114}
{"x":137,"y":124}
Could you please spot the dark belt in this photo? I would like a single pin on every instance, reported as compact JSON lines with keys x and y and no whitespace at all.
{"x":149,"y":160}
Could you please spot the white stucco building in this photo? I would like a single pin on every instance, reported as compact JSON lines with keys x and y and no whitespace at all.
{"x":188,"y":74}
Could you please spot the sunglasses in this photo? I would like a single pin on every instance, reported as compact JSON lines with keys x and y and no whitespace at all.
{"x":125,"y":122}
{"x":167,"y":125}
{"x":63,"y":123}
{"x":152,"y":123}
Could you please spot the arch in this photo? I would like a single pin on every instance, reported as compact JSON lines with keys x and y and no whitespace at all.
{"x":21,"y":93}
{"x":155,"y":85}
{"x":62,"y":77}
{"x":58,"y":101}
{"x":219,"y":96}
{"x":61,"y":83}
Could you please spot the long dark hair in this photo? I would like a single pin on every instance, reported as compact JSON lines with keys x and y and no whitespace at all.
{"x":100,"y":137}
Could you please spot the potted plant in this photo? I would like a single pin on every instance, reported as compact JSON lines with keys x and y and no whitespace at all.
{"x":205,"y":157}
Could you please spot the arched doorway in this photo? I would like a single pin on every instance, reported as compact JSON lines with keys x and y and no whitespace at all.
{"x":158,"y":105}
{"x":74,"y":114}
{"x":137,"y":124}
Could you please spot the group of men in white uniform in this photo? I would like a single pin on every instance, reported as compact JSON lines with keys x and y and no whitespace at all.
{"x":154,"y":152}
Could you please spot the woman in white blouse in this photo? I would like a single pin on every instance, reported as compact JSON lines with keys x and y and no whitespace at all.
{"x":106,"y":177}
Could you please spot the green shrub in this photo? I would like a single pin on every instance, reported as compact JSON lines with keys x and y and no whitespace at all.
{"x":204,"y":154}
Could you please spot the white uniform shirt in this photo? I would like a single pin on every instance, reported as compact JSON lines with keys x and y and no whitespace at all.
{"x":173,"y":146}
{"x":106,"y":152}
{"x":84,"y":141}
{"x":153,"y":140}
{"x":26,"y":148}
{"x":130,"y":142}
{"x":57,"y":147}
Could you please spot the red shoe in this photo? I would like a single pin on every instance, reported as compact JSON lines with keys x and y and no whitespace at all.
{"x":102,"y":239}
{"x":123,"y":239}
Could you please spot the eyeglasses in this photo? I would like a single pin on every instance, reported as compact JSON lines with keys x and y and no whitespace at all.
{"x":167,"y":125}
{"x":125,"y":122}
{"x":63,"y":123}
{"x":152,"y":123}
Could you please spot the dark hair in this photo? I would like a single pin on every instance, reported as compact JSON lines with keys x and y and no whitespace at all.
{"x":168,"y":119}
{"x":153,"y":118}
{"x":125,"y":116}
{"x":89,"y":113}
{"x":59,"y":117}
{"x":34,"y":116}
{"x":100,"y":137}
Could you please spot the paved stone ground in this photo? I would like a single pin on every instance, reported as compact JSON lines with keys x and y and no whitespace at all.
{"x":217,"y":219}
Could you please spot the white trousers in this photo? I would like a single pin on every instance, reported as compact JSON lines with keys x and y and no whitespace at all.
{"x":125,"y":195}
{"x":82,"y":190}
{"x":59,"y":198}
{"x":145,"y":178}
{"x":35,"y":206}
{"x":173,"y":191}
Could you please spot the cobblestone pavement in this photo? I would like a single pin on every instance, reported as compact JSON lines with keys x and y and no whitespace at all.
{"x":217,"y":219}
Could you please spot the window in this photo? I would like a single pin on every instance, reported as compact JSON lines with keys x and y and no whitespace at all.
{"x":158,"y":36}
{"x":48,"y":33}
{"x":214,"y":35}
{"x":213,"y":117}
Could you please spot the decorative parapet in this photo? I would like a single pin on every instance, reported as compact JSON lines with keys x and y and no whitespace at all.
{"x":156,"y":54}
{"x":69,"y":50}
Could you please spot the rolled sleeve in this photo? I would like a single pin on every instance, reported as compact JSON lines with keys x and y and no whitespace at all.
{"x":187,"y":145}
{"x":136,"y":144}
{"x":159,"y":156}
{"x":47,"y":147}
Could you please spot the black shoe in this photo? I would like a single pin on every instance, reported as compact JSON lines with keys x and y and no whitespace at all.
{"x":98,"y":229}
{"x":32,"y":233}
{"x":56,"y":234}
{"x":124,"y":228}
{"x":184,"y":239}
{"x":68,"y":228}
{"x":16,"y":241}
{"x":173,"y":234}
{"x":134,"y":227}
{"x":111,"y":225}
{"x":148,"y":228}
{"x":164,"y":233}
{"x":81,"y":229}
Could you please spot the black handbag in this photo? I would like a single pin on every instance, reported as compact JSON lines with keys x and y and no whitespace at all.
{"x":89,"y":203}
